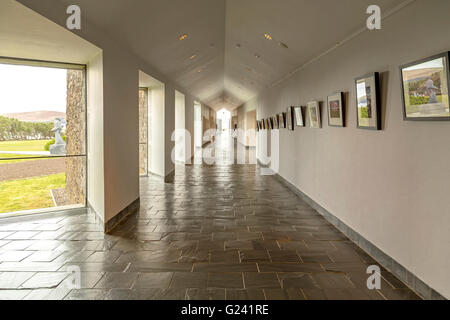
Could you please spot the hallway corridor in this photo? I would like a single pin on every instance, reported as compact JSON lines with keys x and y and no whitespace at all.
{"x":217,"y":232}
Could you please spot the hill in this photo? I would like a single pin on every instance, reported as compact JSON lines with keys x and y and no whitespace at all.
{"x":36,"y":116}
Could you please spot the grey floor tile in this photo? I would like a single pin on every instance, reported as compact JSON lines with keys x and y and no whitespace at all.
{"x":189,"y":280}
{"x":205,"y":294}
{"x":120,"y":280}
{"x":225,"y":280}
{"x":245,"y":294}
{"x":284,"y":294}
{"x":13,"y":280}
{"x":261,"y":280}
{"x":153,"y":280}
{"x":42,"y":280}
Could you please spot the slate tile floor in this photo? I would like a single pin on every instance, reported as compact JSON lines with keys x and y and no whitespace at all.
{"x":217,"y":232}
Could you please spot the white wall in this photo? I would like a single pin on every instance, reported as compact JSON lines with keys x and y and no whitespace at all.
{"x":95,"y":156}
{"x":391,"y":186}
{"x":180,"y":125}
{"x":156,"y":130}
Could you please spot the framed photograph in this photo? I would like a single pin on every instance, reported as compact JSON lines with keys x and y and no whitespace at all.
{"x":314,"y":114}
{"x":290,"y":118}
{"x":282,"y":119}
{"x":368,"y":108}
{"x":262,"y":124}
{"x":425,"y":88}
{"x":271,"y":123}
{"x":267,"y":123}
{"x":299,"y":119}
{"x":276,"y":125}
{"x":336,"y":110}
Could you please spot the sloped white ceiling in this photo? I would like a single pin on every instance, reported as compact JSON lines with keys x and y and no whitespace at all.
{"x":233,"y":60}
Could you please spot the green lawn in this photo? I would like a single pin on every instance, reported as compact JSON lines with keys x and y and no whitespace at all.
{"x":30,"y":193}
{"x":24,"y":145}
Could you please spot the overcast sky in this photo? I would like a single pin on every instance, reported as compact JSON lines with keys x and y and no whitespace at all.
{"x":26,"y":89}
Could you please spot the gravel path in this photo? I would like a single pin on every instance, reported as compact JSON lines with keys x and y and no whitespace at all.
{"x":33,"y":168}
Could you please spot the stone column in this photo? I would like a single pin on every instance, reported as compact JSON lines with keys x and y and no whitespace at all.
{"x":76,"y":135}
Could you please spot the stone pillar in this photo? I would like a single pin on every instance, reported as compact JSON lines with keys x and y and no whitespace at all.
{"x":76,"y":136}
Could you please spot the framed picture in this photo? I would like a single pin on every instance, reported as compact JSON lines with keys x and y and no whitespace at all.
{"x":282,"y":119}
{"x":271,"y":122}
{"x":266,"y":123}
{"x":276,"y":125}
{"x":299,"y":119}
{"x":336,"y":110}
{"x":425,"y":88}
{"x":314,"y":114}
{"x":368,"y":109}
{"x":290,"y":118}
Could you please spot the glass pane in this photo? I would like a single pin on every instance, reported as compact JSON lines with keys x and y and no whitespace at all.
{"x":143,"y":131}
{"x":46,"y":119}
{"x":31,"y":184}
{"x":143,"y":159}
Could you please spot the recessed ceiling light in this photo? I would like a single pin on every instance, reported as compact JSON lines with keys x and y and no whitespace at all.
{"x":199,"y":70}
{"x":192,"y":57}
{"x":267,"y":36}
{"x":283,"y":45}
{"x":257,"y":56}
{"x":183,"y":37}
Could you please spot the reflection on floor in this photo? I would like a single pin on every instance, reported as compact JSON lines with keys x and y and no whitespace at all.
{"x":217,"y":232}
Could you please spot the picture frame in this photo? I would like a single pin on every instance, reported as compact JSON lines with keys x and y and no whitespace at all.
{"x":282,"y":120}
{"x":299,"y":117}
{"x":368,"y":103}
{"x":314,"y":114}
{"x":336,"y":110}
{"x":276,"y":124}
{"x":267,"y":124}
{"x":425,"y":88}
{"x":290,"y":118}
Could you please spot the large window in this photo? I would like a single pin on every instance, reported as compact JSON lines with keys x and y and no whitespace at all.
{"x":143,"y":131}
{"x":42,"y":135}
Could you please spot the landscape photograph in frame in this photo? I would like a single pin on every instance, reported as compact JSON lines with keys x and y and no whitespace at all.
{"x":368,"y":109}
{"x":299,"y":120}
{"x":314,"y":114}
{"x":425,"y":88}
{"x":336,"y":113}
{"x":276,"y":125}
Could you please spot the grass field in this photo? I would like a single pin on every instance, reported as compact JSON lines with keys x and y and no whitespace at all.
{"x":31,"y":193}
{"x":25,"y":145}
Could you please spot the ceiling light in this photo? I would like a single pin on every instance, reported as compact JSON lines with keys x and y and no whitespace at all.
{"x":199,"y":70}
{"x":183,"y":37}
{"x":267,"y":36}
{"x":283,"y":45}
{"x":257,"y":56}
{"x":192,"y":57}
{"x":238,"y":45}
